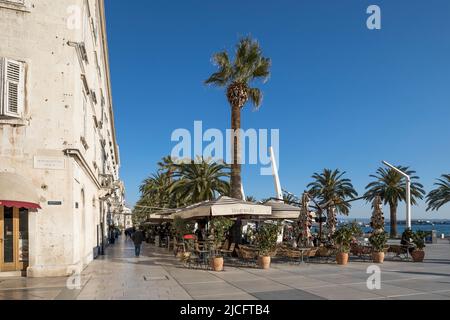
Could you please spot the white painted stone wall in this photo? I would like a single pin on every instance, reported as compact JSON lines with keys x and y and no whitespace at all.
{"x":62,"y":238}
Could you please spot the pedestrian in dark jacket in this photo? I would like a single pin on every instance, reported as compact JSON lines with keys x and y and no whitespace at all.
{"x":137,"y":238}
{"x":112,"y":238}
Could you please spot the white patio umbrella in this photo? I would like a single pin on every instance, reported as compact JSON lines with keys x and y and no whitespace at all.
{"x":223,"y":206}
{"x":281,"y":211}
{"x":158,"y":218}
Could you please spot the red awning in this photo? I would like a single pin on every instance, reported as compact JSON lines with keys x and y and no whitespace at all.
{"x":19,"y":204}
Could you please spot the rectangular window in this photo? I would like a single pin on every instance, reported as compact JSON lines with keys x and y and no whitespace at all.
{"x":94,"y":96}
{"x":84,"y":56}
{"x":84,"y":132}
{"x":98,"y":65}
{"x":12,"y":88}
{"x":94,"y":31}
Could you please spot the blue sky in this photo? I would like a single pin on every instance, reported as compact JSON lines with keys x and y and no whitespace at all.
{"x":342,"y":96}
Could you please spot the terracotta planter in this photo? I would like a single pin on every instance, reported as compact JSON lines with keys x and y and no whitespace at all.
{"x":217,"y":263}
{"x":183,"y":256}
{"x":418,"y":255}
{"x":378,"y":257}
{"x":264,"y":262}
{"x":342,"y":258}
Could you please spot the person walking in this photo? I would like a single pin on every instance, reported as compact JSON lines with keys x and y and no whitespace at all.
{"x":112,"y":238}
{"x":137,"y":238}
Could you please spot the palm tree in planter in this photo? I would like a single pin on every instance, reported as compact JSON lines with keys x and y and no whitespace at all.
{"x":441,"y":195}
{"x":237,"y":76}
{"x":220,"y":226}
{"x":391,"y":187}
{"x":266,"y":239}
{"x":343,"y":237}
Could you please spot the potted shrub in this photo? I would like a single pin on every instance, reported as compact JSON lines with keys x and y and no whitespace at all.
{"x":418,"y":238}
{"x":180,"y":228}
{"x":378,"y":241}
{"x":343,"y":238}
{"x":266,"y":239}
{"x":378,"y":238}
{"x":220,"y":227}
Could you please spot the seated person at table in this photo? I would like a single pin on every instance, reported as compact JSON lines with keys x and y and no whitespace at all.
{"x":200,"y":232}
{"x":406,"y":240}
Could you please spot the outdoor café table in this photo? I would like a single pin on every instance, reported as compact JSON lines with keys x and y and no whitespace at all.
{"x":202,"y":251}
{"x":302,"y":253}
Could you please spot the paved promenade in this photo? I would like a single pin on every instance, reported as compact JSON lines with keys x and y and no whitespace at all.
{"x":158,"y":275}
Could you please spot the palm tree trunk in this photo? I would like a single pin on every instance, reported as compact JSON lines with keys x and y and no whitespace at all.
{"x":236,"y":152}
{"x":393,"y":209}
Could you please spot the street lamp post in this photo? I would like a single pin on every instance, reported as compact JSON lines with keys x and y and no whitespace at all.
{"x":276,"y":178}
{"x":408,"y":193}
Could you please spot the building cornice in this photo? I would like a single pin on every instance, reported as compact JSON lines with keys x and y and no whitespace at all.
{"x":104,"y":39}
{"x":76,"y":154}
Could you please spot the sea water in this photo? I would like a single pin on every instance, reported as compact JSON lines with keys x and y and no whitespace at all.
{"x":441,"y":228}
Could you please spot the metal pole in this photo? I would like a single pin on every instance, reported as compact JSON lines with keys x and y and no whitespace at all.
{"x":408,"y":203}
{"x":408,"y":193}
{"x":279,"y":192}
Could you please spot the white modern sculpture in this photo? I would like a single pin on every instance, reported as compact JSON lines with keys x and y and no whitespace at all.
{"x":408,"y":193}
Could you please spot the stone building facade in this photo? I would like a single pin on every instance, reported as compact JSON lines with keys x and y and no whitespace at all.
{"x":59,"y":159}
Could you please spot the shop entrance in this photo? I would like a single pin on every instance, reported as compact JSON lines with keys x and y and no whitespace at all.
{"x":13,"y":239}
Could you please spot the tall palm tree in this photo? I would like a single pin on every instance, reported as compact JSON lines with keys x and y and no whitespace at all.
{"x":167,"y":164}
{"x":155,"y":191}
{"x":290,"y":198}
{"x":391,"y":187}
{"x":441,"y":195}
{"x":237,"y":76}
{"x":332,"y":190}
{"x":200,"y":180}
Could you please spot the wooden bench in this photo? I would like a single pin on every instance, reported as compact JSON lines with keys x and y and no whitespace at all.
{"x":400,"y":251}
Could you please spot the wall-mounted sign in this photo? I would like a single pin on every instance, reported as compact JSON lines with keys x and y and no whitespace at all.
{"x":54,"y":203}
{"x":49,"y":163}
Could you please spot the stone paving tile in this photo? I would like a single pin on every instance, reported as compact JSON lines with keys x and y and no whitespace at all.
{"x":226,"y":296}
{"x":424,"y":296}
{"x":42,"y":294}
{"x":427,"y":285}
{"x":443,"y":293}
{"x":341,"y":293}
{"x":301,"y":282}
{"x":238,"y":275}
{"x":204,"y":289}
{"x":261,"y":285}
{"x":272,"y":273}
{"x":386,"y":290}
{"x":292,"y":294}
{"x":337,"y":279}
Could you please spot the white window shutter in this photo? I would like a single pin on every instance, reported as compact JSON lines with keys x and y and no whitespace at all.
{"x":14,"y":97}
